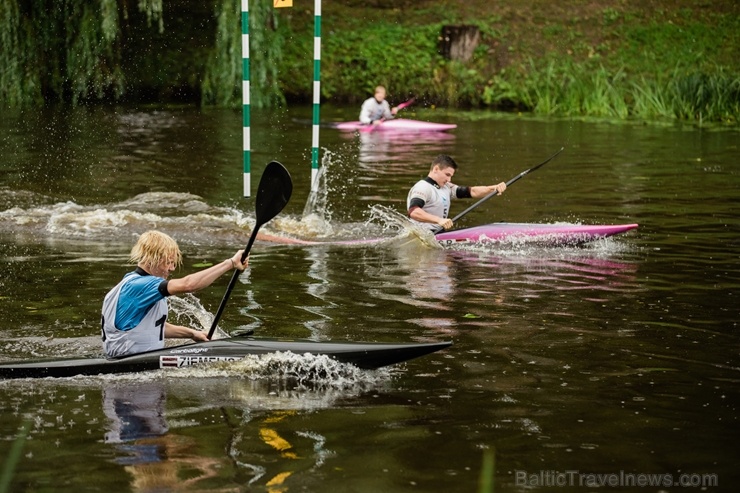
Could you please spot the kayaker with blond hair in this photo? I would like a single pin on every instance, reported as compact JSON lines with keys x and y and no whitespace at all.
{"x":134,"y":317}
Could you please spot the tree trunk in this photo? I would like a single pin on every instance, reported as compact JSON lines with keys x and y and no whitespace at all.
{"x":458,"y":42}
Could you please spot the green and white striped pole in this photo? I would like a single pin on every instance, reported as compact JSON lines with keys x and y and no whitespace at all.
{"x":245,"y":99}
{"x":316,"y":95}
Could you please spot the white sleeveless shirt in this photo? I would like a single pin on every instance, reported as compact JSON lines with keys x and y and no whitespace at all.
{"x":436,"y":199}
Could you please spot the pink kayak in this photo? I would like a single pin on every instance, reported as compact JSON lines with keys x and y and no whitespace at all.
{"x":509,"y":233}
{"x":398,"y":125}
{"x":547,"y":233}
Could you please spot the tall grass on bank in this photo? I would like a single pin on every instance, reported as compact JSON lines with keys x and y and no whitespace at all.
{"x":576,"y":90}
{"x":570,"y":90}
{"x":651,"y":100}
{"x":700,"y":96}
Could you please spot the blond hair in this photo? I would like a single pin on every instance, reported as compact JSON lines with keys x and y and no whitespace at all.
{"x":155,"y":247}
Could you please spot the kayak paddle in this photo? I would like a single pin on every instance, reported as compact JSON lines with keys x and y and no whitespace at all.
{"x":273,"y":193}
{"x":405,"y":104}
{"x":508,"y":184}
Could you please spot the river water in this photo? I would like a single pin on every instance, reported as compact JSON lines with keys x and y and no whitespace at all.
{"x":616,"y":362}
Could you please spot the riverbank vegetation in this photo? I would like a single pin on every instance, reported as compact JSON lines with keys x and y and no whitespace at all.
{"x":670,"y":59}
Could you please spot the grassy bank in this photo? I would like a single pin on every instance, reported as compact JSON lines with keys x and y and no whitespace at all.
{"x":665,"y":60}
{"x":672,"y":59}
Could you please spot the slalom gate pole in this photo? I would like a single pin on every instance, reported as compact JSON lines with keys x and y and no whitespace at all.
{"x":316,"y":96}
{"x":246,"y":136}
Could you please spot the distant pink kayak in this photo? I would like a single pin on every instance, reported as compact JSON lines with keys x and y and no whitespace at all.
{"x":397,"y":124}
{"x":546,"y":233}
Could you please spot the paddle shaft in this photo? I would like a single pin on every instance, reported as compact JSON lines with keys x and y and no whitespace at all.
{"x":232,"y":283}
{"x":273,"y":193}
{"x":495,"y":192}
{"x":370,"y":128}
{"x":405,"y":104}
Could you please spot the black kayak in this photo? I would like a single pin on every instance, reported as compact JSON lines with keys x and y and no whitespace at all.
{"x":365,"y":355}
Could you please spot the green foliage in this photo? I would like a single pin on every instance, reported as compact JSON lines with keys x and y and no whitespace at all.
{"x":610,"y":16}
{"x":700,"y":96}
{"x":499,"y":92}
{"x":658,"y":47}
{"x":568,"y":89}
{"x":601,"y":60}
{"x":153,"y":11}
{"x":222,"y":81}
{"x":390,"y":55}
{"x":651,"y":99}
{"x":18,"y":84}
{"x":62,"y":50}
{"x":92,"y":67}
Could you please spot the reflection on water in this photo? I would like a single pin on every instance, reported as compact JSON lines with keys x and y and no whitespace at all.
{"x":158,"y":459}
{"x":317,"y":287}
{"x":486,"y":278}
{"x":396,"y":148}
{"x":136,"y":415}
{"x":427,"y":271}
{"x":592,"y":267}
{"x":610,"y":356}
{"x":159,"y":427}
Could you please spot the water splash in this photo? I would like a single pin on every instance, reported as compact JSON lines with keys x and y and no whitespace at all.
{"x":398,"y":225}
{"x":184,"y":216}
{"x":282,"y":372}
{"x":542,"y":246}
{"x":317,"y":203}
{"x":317,"y":199}
{"x":302,"y":371}
{"x":192,"y":221}
{"x":187,"y":310}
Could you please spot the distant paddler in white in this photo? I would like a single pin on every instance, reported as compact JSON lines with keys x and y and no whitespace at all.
{"x":376,"y":110}
{"x":428,"y":201}
{"x":135,"y":311}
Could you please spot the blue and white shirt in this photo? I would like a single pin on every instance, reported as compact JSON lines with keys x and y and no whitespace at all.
{"x":134,"y":314}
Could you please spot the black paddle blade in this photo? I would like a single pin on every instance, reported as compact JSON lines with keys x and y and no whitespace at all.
{"x":273,"y":192}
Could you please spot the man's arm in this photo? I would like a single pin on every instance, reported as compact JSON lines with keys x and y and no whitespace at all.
{"x":389,"y":113}
{"x":419,"y":214}
{"x":482,"y":191}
